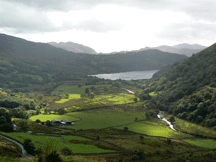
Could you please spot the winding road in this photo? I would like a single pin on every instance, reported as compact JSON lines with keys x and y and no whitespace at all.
{"x":24,"y":153}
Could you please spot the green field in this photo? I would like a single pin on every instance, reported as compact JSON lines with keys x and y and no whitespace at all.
{"x":207,"y":143}
{"x":70,"y":97}
{"x":50,"y":117}
{"x":189,"y":127}
{"x":151,"y":129}
{"x":102,"y":118}
{"x":69,"y":89}
{"x":39,"y":140}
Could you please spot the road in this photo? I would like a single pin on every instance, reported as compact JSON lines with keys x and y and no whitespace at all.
{"x":24,"y":153}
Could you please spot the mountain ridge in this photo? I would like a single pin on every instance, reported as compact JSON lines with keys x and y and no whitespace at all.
{"x":25,"y":62}
{"x":74,"y":47}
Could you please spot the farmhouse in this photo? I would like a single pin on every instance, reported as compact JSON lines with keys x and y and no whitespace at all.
{"x":63,"y":122}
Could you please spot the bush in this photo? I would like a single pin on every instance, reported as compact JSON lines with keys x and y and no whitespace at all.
{"x":50,"y":154}
{"x":38,"y":121}
{"x":66,"y":151}
{"x":29,"y":146}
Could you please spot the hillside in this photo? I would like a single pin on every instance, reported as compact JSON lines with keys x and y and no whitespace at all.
{"x":184,"y":48}
{"x":23,"y":62}
{"x":74,"y":47}
{"x":188,"y":87}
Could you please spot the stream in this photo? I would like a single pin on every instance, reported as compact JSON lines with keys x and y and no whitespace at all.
{"x":160,"y":116}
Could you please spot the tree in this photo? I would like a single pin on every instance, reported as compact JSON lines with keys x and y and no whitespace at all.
{"x":61,"y":111}
{"x":126,"y":128}
{"x":3,"y":120}
{"x":172,"y":119}
{"x":23,"y":125}
{"x":87,"y":90}
{"x":29,"y":146}
{"x":135,"y":100}
{"x":38,"y":121}
{"x":48,"y":123}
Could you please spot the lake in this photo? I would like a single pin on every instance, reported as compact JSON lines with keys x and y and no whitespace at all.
{"x":132,"y":75}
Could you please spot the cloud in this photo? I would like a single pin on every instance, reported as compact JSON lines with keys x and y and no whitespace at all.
{"x":189,"y":30}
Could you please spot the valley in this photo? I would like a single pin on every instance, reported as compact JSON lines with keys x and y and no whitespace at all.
{"x":50,"y":105}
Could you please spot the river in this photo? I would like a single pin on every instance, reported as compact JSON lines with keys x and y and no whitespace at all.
{"x":131,"y":75}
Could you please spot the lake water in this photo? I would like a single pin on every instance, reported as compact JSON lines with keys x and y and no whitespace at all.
{"x":132,"y":75}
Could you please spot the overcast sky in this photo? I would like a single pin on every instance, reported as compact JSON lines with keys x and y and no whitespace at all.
{"x":111,"y":25}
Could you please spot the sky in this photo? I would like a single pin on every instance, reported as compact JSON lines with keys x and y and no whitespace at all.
{"x":111,"y":25}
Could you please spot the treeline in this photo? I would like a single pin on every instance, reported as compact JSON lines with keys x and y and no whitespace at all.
{"x":23,"y":63}
{"x":187,"y":88}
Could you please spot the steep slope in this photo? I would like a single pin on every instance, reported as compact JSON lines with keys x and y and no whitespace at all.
{"x":187,"y":88}
{"x":74,"y":47}
{"x":186,"y":76}
{"x":23,"y":62}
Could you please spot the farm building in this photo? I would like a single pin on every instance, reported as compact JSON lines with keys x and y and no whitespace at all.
{"x":63,"y":122}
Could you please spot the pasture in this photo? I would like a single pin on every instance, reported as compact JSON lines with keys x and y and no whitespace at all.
{"x":72,"y":89}
{"x":189,"y":127}
{"x":207,"y":143}
{"x":107,"y":117}
{"x":43,"y":117}
{"x":70,"y":97}
{"x":60,"y":141}
{"x":150,"y":128}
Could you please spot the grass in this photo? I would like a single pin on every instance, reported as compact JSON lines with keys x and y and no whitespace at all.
{"x":39,"y":140}
{"x":189,"y":127}
{"x":101,"y":101}
{"x":50,"y":117}
{"x":63,"y":89}
{"x":150,"y":128}
{"x":109,"y":117}
{"x":207,"y":143}
{"x":70,"y":97}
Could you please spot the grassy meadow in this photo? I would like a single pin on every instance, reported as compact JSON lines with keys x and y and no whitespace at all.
{"x":45,"y":117}
{"x":60,"y":141}
{"x":193,"y":128}
{"x":150,"y":128}
{"x":71,"y":89}
{"x":107,"y":117}
{"x":207,"y":143}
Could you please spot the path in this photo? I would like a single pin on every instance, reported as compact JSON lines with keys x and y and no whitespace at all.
{"x":24,"y":153}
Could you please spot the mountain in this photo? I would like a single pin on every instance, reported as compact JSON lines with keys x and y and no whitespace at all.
{"x":187,"y":88}
{"x":25,"y":63}
{"x":74,"y":47}
{"x":189,"y":46}
{"x":184,"y":49}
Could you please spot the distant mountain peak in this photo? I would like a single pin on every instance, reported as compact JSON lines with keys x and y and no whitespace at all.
{"x":190,"y":46}
{"x":74,"y":47}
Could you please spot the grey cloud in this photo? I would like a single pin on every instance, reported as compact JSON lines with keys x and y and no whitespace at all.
{"x":20,"y":20}
{"x":197,"y":9}
{"x":189,"y":31}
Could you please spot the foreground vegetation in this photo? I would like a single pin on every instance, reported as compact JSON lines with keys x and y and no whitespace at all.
{"x":107,"y":120}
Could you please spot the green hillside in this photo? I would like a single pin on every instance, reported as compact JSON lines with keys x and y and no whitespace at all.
{"x":24,"y":63}
{"x":187,"y":88}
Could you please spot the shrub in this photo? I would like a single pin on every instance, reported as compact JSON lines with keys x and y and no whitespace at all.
{"x":125,"y":128}
{"x":29,"y":146}
{"x":38,"y":121}
{"x":66,"y":151}
{"x":50,"y":154}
